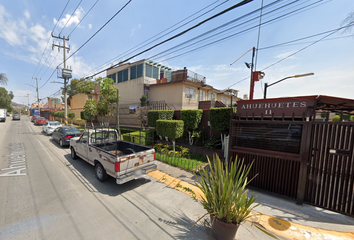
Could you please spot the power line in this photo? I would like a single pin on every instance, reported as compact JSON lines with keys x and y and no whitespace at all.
{"x":182,"y":33}
{"x":89,"y":39}
{"x":227,"y":37}
{"x":50,"y":38}
{"x":138,"y":46}
{"x":70,"y":17}
{"x":99,"y":29}
{"x":82,"y":18}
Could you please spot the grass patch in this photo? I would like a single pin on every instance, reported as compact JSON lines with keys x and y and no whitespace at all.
{"x":181,"y":162}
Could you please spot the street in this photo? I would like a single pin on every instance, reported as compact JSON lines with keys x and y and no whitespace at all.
{"x":47,"y":195}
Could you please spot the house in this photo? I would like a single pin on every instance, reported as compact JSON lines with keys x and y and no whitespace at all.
{"x":181,"y":89}
{"x":77,"y":102}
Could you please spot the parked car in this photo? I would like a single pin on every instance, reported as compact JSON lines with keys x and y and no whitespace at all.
{"x":34,"y":118}
{"x":64,"y":133}
{"x":49,"y":127}
{"x":40,"y":121}
{"x":16,"y":117}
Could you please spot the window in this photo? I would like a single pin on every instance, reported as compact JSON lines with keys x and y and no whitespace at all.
{"x":89,"y":96}
{"x":101,"y":97}
{"x":155,"y":72}
{"x":148,"y":70}
{"x":212,"y":96}
{"x":113,"y":76}
{"x":133,"y":72}
{"x":224,"y":100}
{"x":123,"y":76}
{"x":190,"y":93}
{"x":139,"y":70}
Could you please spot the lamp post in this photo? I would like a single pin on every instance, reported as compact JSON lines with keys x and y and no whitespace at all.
{"x":295,"y":76}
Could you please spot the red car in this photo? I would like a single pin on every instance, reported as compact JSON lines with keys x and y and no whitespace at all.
{"x":34,"y":118}
{"x":40,"y":121}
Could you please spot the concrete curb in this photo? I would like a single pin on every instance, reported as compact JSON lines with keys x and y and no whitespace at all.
{"x":275,"y":226}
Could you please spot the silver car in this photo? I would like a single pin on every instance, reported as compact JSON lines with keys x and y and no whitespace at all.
{"x":49,"y":127}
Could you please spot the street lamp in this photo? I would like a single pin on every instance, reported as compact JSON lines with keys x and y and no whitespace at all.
{"x":295,"y":76}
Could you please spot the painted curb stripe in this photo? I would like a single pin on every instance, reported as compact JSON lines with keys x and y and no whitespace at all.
{"x":276,"y":226}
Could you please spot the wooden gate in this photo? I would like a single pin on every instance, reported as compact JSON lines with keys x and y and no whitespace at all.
{"x":297,"y":151}
{"x":330,"y":179}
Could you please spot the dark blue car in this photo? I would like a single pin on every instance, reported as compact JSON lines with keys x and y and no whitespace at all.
{"x":63,"y":134}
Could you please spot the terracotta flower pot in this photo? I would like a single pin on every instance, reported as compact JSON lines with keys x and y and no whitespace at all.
{"x":223,"y":230}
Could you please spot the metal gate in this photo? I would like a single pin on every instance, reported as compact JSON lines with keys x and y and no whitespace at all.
{"x":330,"y":179}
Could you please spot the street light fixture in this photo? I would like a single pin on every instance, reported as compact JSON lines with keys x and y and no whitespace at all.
{"x":295,"y":76}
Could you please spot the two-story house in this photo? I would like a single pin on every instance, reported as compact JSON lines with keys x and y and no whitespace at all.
{"x":180,"y":89}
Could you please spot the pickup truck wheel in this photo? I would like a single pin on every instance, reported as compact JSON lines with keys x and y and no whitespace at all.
{"x":73,"y":153}
{"x":101,"y":174}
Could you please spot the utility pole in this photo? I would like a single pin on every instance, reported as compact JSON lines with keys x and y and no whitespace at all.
{"x":64,"y":76}
{"x":39,"y":109}
{"x":252,"y":79}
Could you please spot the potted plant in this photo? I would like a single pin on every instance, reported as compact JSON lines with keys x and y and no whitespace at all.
{"x":225,"y":196}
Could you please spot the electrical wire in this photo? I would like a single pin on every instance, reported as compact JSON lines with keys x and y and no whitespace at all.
{"x":181,"y":33}
{"x":98,"y":30}
{"x":155,"y":36}
{"x":89,"y":39}
{"x":83,"y":18}
{"x":49,"y":39}
{"x":70,"y":17}
{"x":229,"y":36}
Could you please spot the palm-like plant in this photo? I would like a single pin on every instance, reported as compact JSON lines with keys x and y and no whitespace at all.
{"x":3,"y":79}
{"x":225,"y":194}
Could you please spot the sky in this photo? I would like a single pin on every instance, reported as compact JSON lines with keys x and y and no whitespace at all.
{"x":294,"y":37}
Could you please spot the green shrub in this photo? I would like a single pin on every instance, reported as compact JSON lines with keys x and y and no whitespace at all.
{"x":336,"y":118}
{"x":71,"y":115}
{"x":220,"y":118}
{"x":191,"y":118}
{"x":172,"y":129}
{"x":142,"y":138}
{"x":154,"y":115}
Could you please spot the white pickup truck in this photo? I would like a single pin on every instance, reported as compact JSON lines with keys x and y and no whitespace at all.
{"x":122,"y":160}
{"x":2,"y":115}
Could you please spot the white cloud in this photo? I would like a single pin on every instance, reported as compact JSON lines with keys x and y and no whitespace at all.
{"x":90,"y":26}
{"x":286,"y":55}
{"x":27,"y":14}
{"x":134,"y":30}
{"x":70,"y":19}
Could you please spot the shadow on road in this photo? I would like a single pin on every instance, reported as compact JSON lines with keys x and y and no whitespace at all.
{"x":85,"y":173}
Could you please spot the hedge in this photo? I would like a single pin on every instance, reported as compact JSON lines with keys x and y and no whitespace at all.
{"x":220,"y":118}
{"x":154,"y":115}
{"x":142,"y":138}
{"x":172,"y":129}
{"x":191,"y":118}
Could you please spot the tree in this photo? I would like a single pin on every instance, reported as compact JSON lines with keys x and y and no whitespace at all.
{"x":77,"y":86}
{"x":142,"y":115}
{"x":191,"y":119}
{"x":5,"y":98}
{"x":143,"y":100}
{"x":71,"y":116}
{"x":3,"y":79}
{"x":90,"y":109}
{"x":106,"y":106}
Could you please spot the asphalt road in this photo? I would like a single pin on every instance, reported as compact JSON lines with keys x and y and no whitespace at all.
{"x":47,"y":195}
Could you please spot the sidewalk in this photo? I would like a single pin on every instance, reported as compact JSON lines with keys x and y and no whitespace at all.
{"x":279,"y":216}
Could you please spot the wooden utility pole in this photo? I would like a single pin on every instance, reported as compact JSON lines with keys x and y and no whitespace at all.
{"x":39,"y":109}
{"x":65,"y":90}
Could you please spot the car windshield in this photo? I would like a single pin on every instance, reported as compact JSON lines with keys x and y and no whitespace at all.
{"x":54,"y":123}
{"x":41,"y":118}
{"x":71,"y":130}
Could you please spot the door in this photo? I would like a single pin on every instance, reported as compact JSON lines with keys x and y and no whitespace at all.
{"x":82,"y":145}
